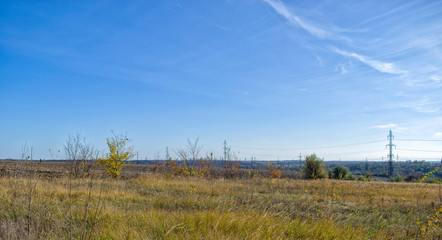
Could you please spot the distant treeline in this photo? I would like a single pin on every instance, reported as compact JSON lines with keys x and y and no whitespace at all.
{"x":410,"y":169}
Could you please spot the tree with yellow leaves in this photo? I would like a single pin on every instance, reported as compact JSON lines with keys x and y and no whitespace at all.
{"x":119,"y":153}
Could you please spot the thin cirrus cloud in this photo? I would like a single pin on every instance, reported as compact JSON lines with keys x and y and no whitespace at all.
{"x":280,"y":8}
{"x":384,"y":67}
{"x":424,"y":77}
{"x":425,"y":105}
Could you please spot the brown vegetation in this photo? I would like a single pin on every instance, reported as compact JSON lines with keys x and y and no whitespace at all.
{"x":161,"y":206}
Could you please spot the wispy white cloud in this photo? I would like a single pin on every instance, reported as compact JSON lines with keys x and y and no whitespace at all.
{"x":342,"y":30}
{"x":437,"y":134}
{"x":424,"y":105}
{"x":384,"y":67}
{"x":390,"y":11}
{"x":382,"y":126}
{"x":220,"y":26}
{"x":392,"y":126}
{"x":281,"y":9}
{"x":341,"y":68}
{"x":436,"y":78}
{"x":423,"y":127}
{"x":319,"y":60}
{"x":416,"y":74}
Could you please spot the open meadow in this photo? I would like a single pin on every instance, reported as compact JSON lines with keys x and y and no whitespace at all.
{"x":45,"y":203}
{"x":234,"y":119}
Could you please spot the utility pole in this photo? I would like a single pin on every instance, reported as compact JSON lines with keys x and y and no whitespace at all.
{"x":167,"y":153}
{"x":300,"y":159}
{"x":225,"y":150}
{"x":390,"y":137}
{"x":366,"y":166}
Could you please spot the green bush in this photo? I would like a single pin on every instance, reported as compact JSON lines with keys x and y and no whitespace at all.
{"x":397,"y":178}
{"x":314,"y":168}
{"x":367,"y":178}
{"x":340,"y":172}
{"x":349,"y":176}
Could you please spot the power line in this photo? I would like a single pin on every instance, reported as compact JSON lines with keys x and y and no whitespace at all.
{"x":437,"y":158}
{"x":291,"y":156}
{"x":419,"y":150}
{"x":319,"y":147}
{"x":390,"y":146}
{"x":419,"y":140}
{"x":265,"y":155}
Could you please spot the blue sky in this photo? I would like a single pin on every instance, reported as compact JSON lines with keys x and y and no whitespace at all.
{"x":273,"y":78}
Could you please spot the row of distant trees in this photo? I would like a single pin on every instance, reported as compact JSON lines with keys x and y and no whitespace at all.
{"x":80,"y":153}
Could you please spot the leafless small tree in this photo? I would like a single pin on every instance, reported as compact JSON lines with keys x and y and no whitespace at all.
{"x":80,"y":154}
{"x":182,"y":154}
{"x":191,"y":152}
{"x":194,"y":149}
{"x":231,"y":164}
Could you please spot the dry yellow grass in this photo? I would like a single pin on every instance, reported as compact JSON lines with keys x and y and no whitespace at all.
{"x":155,"y":206}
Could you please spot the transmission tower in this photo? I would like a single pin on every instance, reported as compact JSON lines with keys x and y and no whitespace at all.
{"x":390,"y":156}
{"x":167,"y":153}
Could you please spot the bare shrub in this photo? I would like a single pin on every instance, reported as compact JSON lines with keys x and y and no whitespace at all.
{"x":80,"y":154}
{"x":189,"y":155}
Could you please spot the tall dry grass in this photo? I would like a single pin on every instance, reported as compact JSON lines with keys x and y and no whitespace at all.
{"x":155,"y":206}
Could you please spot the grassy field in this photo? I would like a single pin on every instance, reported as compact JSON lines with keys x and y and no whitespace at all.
{"x":37,"y":205}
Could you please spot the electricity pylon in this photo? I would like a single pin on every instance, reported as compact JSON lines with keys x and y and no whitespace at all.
{"x":390,"y":155}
